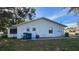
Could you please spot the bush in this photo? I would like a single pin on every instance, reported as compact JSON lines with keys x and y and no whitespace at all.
{"x":4,"y":36}
{"x":76,"y":33}
{"x":13,"y":37}
{"x":66,"y":34}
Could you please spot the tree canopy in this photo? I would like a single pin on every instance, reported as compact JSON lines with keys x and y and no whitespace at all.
{"x":14,"y":15}
{"x":75,"y":10}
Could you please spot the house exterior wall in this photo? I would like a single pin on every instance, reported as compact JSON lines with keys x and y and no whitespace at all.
{"x":11,"y":35}
{"x":42,"y":29}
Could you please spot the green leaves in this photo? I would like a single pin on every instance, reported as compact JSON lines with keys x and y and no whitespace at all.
{"x":14,"y":15}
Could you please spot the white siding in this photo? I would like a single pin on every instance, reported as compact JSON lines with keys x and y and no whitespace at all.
{"x":42,"y":28}
{"x":11,"y":35}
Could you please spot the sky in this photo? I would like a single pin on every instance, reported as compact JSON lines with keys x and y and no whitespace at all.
{"x":58,"y":14}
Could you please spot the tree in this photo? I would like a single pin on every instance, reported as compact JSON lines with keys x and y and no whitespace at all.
{"x":24,"y":12}
{"x":14,"y":15}
{"x":75,"y":10}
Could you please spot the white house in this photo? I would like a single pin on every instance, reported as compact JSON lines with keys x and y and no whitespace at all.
{"x":42,"y":26}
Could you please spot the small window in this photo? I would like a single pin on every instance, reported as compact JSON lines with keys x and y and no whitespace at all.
{"x":51,"y":31}
{"x":28,"y":29}
{"x":34,"y":29}
{"x":13,"y":31}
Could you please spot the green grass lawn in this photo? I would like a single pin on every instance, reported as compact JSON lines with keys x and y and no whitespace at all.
{"x":39,"y":45}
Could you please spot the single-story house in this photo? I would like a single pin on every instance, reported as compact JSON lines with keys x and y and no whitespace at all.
{"x":43,"y":27}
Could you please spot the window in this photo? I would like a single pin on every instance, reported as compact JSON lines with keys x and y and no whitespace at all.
{"x":28,"y":29}
{"x":13,"y":31}
{"x":34,"y":29}
{"x":50,"y":31}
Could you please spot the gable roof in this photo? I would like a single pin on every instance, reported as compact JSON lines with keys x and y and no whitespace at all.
{"x":52,"y":21}
{"x":40,"y":19}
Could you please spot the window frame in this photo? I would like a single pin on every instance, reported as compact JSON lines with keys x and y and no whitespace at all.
{"x":50,"y":31}
{"x":13,"y":30}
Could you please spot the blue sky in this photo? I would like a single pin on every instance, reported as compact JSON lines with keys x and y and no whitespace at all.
{"x":57,"y":14}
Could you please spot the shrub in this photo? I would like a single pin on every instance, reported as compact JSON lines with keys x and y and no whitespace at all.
{"x":13,"y":37}
{"x":76,"y":33}
{"x":4,"y":36}
{"x":66,"y":34}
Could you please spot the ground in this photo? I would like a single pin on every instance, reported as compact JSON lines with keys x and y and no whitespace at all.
{"x":67,"y":44}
